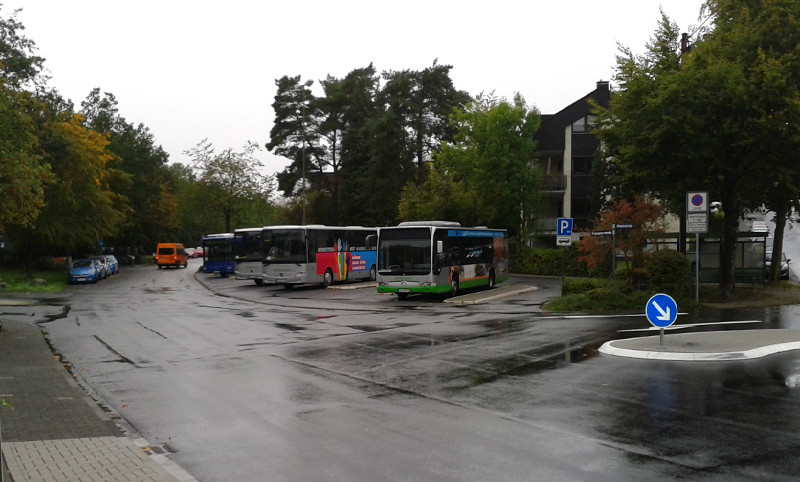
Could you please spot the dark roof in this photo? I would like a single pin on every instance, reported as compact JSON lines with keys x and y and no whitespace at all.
{"x":551,"y":132}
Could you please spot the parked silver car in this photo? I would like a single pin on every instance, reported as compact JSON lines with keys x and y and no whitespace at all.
{"x":113,"y":264}
{"x":103,"y":266}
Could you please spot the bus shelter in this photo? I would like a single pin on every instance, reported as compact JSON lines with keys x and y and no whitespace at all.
{"x":749,"y":264}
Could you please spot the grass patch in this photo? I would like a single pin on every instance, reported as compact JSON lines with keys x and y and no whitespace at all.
{"x":17,"y":281}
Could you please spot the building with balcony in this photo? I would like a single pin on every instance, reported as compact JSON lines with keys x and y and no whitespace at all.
{"x":567,"y":149}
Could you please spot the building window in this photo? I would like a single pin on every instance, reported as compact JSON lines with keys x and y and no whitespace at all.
{"x":584,"y":124}
{"x":581,"y":165}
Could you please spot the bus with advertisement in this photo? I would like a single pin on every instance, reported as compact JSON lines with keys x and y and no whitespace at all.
{"x":306,"y":254}
{"x":248,"y":254}
{"x":218,"y":254}
{"x":440,"y":257}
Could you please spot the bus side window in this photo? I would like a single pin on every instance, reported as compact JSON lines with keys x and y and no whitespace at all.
{"x":312,"y":248}
{"x":454,"y":254}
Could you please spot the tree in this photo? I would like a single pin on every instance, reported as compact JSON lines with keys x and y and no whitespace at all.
{"x":149,"y":191}
{"x":23,"y":171}
{"x":360,"y":88}
{"x":295,"y":134}
{"x":81,"y":207}
{"x":233,"y":179}
{"x":724,"y":117}
{"x":20,"y":68}
{"x":647,"y":218}
{"x":361,"y":141}
{"x":424,"y":101}
{"x":490,"y":161}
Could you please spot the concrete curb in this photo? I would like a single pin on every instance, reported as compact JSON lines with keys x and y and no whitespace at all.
{"x":486,"y":296}
{"x":706,"y":347}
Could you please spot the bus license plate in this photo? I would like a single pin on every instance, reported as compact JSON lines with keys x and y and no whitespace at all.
{"x":404,"y":290}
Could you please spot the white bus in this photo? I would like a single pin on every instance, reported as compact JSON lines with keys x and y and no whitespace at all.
{"x":249,"y":256}
{"x":440,"y":257}
{"x":318,"y":254}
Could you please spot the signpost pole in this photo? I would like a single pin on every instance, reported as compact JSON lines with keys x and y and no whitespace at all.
{"x":697,"y":267}
{"x":613,"y":252}
{"x":563,"y":269}
{"x":661,"y":339}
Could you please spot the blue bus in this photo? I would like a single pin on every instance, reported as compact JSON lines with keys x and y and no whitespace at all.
{"x":218,"y":254}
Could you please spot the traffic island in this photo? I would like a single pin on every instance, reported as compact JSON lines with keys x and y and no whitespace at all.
{"x":706,"y":346}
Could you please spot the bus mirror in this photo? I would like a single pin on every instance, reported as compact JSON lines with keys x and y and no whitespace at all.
{"x":371,"y":241}
{"x":439,"y":246}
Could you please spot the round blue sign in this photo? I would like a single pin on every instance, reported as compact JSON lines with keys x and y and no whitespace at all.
{"x":661,"y":310}
{"x":697,"y":200}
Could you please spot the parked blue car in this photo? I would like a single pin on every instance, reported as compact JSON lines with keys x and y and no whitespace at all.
{"x":84,"y":271}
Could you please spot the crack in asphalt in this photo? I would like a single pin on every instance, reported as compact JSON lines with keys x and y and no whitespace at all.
{"x":151,"y":330}
{"x":122,"y":357}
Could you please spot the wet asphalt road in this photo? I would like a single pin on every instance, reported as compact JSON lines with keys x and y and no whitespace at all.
{"x":314,"y":384}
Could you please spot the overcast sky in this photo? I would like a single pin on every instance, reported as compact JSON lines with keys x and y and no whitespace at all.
{"x":196,"y":69}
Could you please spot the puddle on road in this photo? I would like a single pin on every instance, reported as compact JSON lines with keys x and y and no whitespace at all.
{"x":368,"y":329}
{"x":517,"y":365}
{"x":159,"y":291}
{"x":290,"y":327}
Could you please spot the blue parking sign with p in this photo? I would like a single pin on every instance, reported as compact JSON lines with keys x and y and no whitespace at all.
{"x":564,"y":227}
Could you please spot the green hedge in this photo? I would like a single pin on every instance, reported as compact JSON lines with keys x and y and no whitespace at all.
{"x":546,"y":262}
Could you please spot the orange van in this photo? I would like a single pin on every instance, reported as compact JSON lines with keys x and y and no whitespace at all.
{"x":170,"y":254}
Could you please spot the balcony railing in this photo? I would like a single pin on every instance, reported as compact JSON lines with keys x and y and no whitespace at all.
{"x":544,"y":225}
{"x":554,"y":183}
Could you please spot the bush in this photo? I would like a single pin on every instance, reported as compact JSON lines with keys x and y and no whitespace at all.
{"x":582,"y":285}
{"x":603,"y":298}
{"x":545,"y":262}
{"x":668,"y":272}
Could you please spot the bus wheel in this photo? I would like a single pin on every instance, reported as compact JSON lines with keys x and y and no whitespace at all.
{"x":372,"y":274}
{"x":327,"y":278}
{"x":492,"y":282}
{"x":454,"y":286}
{"x":259,"y":281}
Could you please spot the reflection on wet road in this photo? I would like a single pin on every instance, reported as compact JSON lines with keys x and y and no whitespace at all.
{"x":348,"y":385}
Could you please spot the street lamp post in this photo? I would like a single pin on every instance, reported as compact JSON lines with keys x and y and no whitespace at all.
{"x":303,"y":126}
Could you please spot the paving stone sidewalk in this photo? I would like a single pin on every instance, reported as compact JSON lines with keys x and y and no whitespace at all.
{"x":53,"y":431}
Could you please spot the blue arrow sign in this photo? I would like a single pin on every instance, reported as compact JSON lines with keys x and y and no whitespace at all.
{"x":564,"y":227}
{"x":661,"y":310}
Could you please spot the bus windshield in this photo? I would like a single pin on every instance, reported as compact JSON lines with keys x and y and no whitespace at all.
{"x":247,"y":245}
{"x":285,"y":246}
{"x":218,"y":250}
{"x":405,"y":251}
